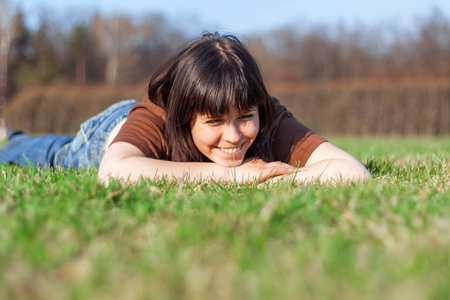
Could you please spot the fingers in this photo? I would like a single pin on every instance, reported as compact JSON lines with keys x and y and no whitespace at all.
{"x":277,"y":169}
{"x":257,"y":169}
{"x":282,"y":167}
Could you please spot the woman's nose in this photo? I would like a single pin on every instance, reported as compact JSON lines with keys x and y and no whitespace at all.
{"x":231,"y":133}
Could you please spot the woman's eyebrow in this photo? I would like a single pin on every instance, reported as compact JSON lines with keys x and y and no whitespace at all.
{"x":206,"y":117}
{"x":249,"y":111}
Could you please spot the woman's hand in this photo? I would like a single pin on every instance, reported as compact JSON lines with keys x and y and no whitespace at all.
{"x":255,"y":169}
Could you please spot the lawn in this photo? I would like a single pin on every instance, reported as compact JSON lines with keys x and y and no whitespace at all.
{"x":65,"y":236}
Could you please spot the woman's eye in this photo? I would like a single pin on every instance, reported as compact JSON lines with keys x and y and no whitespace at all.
{"x":213,"y":122}
{"x":246,"y":117}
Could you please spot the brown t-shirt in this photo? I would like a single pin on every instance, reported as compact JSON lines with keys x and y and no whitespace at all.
{"x":144,"y":128}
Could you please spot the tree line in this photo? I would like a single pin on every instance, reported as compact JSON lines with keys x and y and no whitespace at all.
{"x":119,"y":49}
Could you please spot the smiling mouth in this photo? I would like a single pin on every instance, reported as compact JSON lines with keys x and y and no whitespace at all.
{"x":232,"y":150}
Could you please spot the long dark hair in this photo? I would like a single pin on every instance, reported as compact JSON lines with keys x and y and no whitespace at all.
{"x":210,"y":76}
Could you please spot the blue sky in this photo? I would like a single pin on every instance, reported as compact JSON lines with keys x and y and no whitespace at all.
{"x":250,"y":16}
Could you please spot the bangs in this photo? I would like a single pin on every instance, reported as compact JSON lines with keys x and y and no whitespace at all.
{"x":224,"y":89}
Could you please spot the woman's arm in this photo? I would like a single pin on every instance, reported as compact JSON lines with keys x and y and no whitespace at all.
{"x":126,"y":162}
{"x":328,"y":163}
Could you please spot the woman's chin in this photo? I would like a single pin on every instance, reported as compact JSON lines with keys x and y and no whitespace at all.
{"x":227,"y":159}
{"x":229,"y":163}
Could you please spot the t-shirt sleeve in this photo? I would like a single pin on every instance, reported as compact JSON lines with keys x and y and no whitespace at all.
{"x":144,"y":129}
{"x":292,"y":142}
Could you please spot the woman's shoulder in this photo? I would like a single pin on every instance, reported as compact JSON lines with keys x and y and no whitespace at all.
{"x":144,"y":129}
{"x":149,"y":113}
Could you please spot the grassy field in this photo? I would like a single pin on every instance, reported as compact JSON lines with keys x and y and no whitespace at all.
{"x":64,"y":236}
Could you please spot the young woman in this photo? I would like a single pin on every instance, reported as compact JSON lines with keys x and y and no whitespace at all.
{"x":208,"y":116}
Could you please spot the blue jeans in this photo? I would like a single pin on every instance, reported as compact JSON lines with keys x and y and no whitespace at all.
{"x":85,"y":150}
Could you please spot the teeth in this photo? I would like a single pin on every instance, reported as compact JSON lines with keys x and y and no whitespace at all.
{"x":230,"y":150}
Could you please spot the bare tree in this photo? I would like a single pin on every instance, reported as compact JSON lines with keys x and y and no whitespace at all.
{"x":118,"y":38}
{"x":161,"y":39}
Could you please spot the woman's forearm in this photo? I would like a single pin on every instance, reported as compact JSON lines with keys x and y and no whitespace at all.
{"x":329,"y":163}
{"x":133,"y":169}
{"x":331,"y":170}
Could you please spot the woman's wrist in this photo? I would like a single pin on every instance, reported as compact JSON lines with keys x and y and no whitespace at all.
{"x":220,"y":173}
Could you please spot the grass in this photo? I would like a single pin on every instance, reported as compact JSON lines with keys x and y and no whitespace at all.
{"x":64,"y":236}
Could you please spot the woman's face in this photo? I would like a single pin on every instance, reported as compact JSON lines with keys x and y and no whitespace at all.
{"x":226,"y":139}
